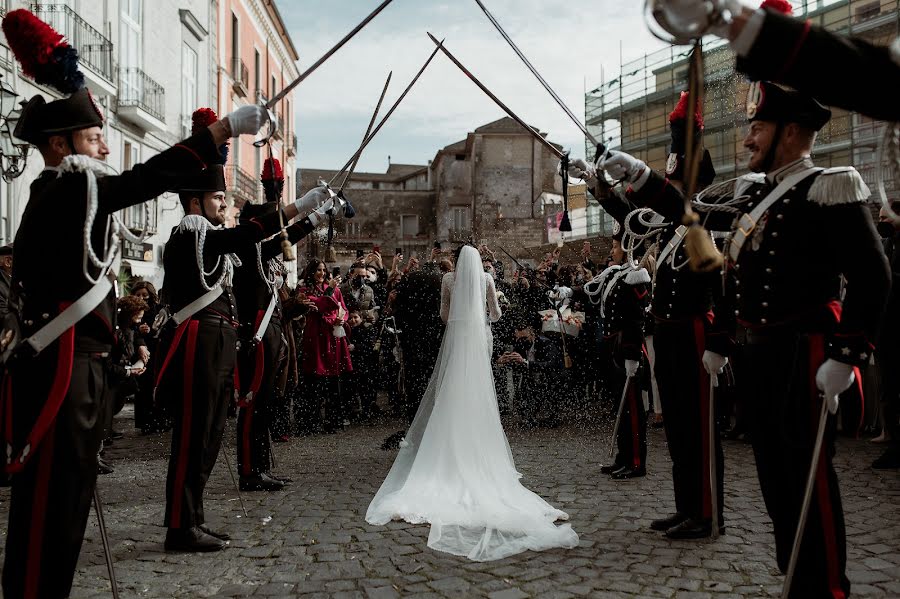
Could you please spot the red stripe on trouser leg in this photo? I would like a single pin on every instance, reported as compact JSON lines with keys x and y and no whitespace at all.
{"x":59,"y":388}
{"x":259,"y":368}
{"x":635,"y":433}
{"x":187,"y":395}
{"x":176,"y":341}
{"x":38,"y":516}
{"x":823,"y":496}
{"x":706,"y":490}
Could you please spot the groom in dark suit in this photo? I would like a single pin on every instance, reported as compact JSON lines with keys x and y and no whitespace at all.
{"x":418,"y":312}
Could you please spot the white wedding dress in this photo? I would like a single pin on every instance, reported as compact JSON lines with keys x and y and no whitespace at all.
{"x":455,"y":469}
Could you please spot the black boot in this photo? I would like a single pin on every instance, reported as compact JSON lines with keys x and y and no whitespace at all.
{"x":693,"y":529}
{"x":626,"y":472}
{"x":664,"y":524}
{"x":283,"y":479}
{"x":222,"y":536}
{"x":260,"y":482}
{"x":192,"y":540}
{"x":103,"y":466}
{"x":610,"y":468}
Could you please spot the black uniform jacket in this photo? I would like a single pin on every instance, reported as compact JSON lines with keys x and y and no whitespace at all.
{"x":251,"y":291}
{"x":789,"y":271}
{"x":182,"y":280}
{"x":53,"y":225}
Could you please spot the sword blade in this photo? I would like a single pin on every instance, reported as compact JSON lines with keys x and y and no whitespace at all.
{"x":327,"y":55}
{"x":535,"y":72}
{"x":365,"y":135}
{"x":497,"y":100}
{"x":381,"y":123}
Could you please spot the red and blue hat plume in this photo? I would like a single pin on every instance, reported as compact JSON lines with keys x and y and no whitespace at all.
{"x":44,"y":54}
{"x":203,"y":118}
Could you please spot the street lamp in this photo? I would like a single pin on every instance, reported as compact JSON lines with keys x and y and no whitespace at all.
{"x":13,"y":152}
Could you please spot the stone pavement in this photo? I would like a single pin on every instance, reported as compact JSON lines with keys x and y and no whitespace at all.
{"x":311,"y":540}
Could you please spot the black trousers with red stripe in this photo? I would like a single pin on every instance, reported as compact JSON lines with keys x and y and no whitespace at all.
{"x":198,"y":385}
{"x":254,"y":449}
{"x":51,"y":498}
{"x":684,"y":394}
{"x":783,"y":404}
{"x":631,"y":441}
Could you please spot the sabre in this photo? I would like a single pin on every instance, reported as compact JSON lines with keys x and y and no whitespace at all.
{"x":390,"y":111}
{"x":612,"y":443}
{"x":330,"y":254}
{"x":287,"y":89}
{"x":234,"y":481}
{"x":556,"y":151}
{"x":326,"y":56}
{"x":365,"y":135}
{"x":807,"y":497}
{"x":601,"y":149}
{"x":104,"y":539}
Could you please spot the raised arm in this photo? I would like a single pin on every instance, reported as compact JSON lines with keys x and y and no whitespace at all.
{"x":493,"y":306}
{"x":300,"y":229}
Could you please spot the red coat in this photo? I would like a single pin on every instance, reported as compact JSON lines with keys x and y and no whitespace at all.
{"x":323,"y":353}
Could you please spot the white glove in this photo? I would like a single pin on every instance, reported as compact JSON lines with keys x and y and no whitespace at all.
{"x":832,"y":379}
{"x":326,"y":209}
{"x":313,"y":198}
{"x":631,"y":367}
{"x":714,"y":364}
{"x":579,"y":169}
{"x":247,"y":119}
{"x":620,"y":166}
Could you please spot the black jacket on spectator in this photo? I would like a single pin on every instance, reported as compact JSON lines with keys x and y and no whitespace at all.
{"x":418,"y":312}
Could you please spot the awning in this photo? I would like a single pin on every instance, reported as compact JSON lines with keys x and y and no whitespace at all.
{"x":145,"y":270}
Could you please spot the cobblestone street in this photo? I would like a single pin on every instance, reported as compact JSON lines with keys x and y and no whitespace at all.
{"x":311,"y":539}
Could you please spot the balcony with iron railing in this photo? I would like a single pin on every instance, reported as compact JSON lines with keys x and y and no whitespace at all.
{"x":243,"y":186}
{"x":142,"y":101}
{"x":95,"y":51}
{"x":240,"y":74}
{"x":292,"y":144}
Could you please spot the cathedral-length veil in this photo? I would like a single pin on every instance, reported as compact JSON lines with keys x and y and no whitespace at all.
{"x":455,"y":469}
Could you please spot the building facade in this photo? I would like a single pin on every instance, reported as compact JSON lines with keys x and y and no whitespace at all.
{"x":497,"y":186}
{"x":255,"y":59}
{"x":150,"y":64}
{"x":630,"y":109}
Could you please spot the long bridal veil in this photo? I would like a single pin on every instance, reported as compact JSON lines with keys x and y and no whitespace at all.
{"x":455,"y":469}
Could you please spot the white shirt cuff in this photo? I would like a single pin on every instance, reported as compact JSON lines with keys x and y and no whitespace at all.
{"x":639,"y":182}
{"x":743,"y":43}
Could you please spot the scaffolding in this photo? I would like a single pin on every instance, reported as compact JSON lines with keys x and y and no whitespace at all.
{"x":629,"y":112}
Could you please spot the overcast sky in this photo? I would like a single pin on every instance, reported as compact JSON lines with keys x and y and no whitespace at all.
{"x":567,"y":41}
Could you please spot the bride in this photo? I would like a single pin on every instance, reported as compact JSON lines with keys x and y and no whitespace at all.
{"x":455,"y":469}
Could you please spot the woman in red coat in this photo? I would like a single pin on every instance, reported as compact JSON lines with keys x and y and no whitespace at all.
{"x":326,"y":355}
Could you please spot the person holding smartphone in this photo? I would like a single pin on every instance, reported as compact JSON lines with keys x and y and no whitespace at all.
{"x":326,"y":355}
